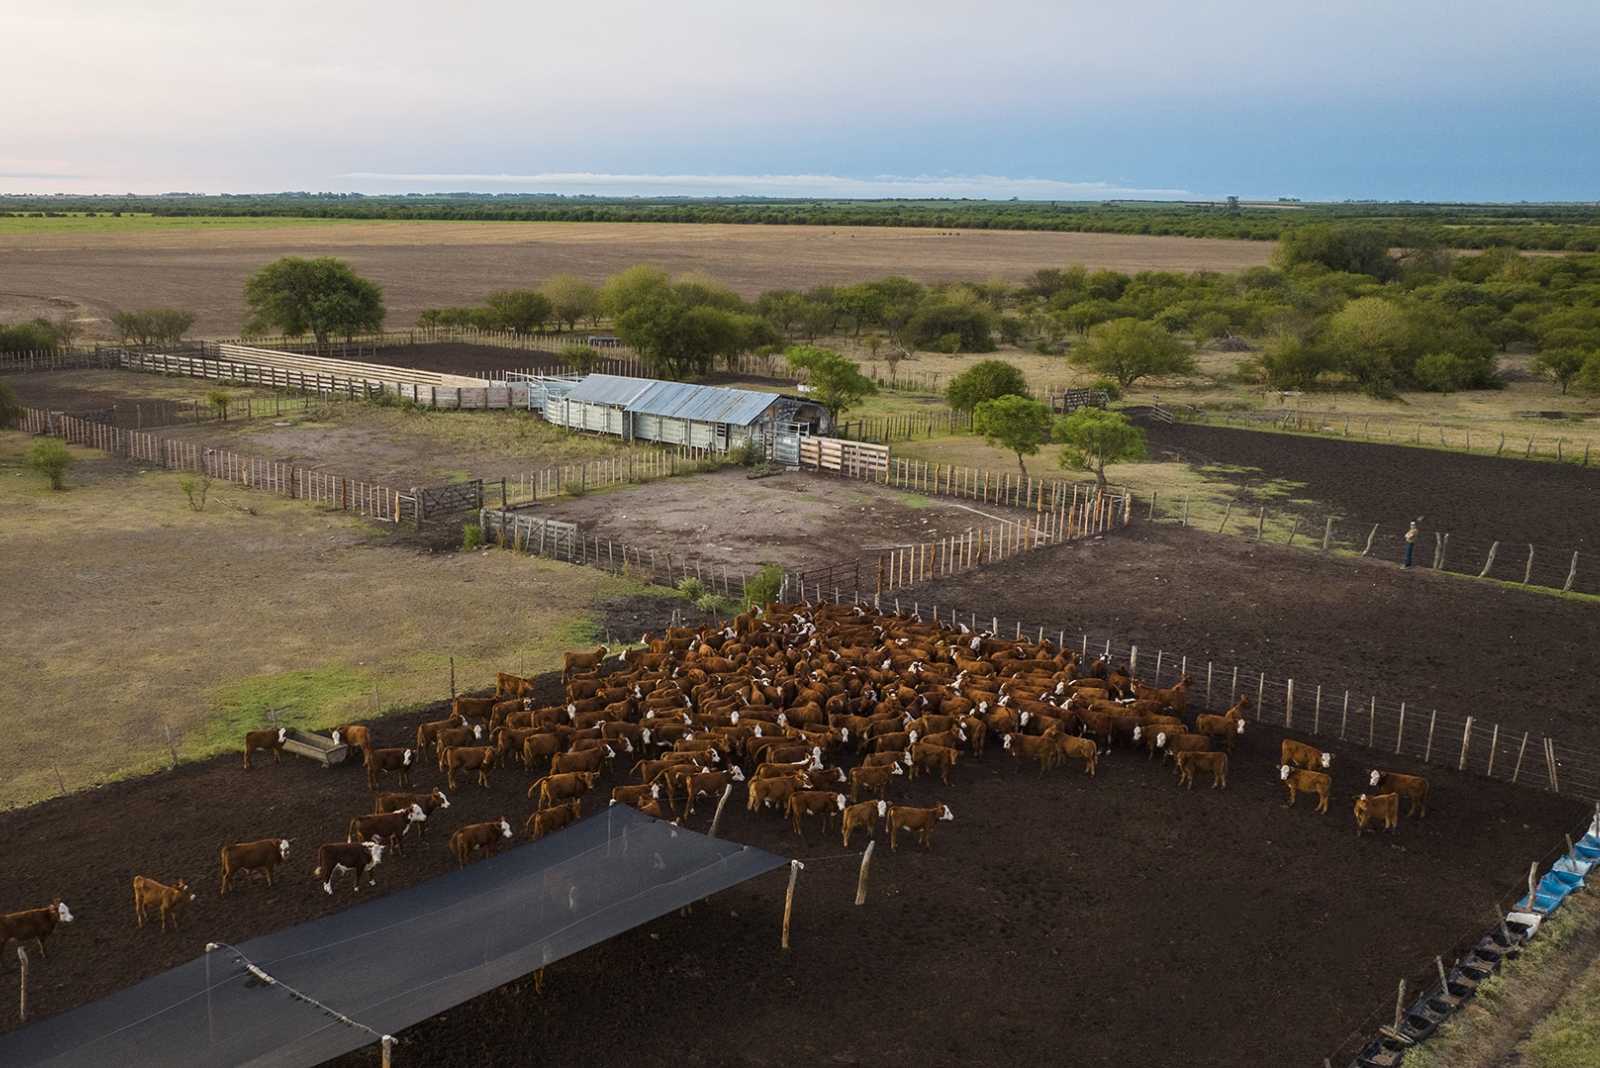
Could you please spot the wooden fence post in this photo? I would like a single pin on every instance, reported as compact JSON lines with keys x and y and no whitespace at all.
{"x":1527,"y":572}
{"x":22,"y":984}
{"x":1400,"y":734}
{"x":1327,"y":534}
{"x":1288,"y":704}
{"x":716,"y":817}
{"x":1572,"y":573}
{"x":1516,"y":771}
{"x":1466,"y":742}
{"x":1373,"y":533}
{"x":861,"y":879}
{"x":1494,"y":743}
{"x":1487,"y":564}
{"x":1427,"y":752}
{"x":788,"y":900}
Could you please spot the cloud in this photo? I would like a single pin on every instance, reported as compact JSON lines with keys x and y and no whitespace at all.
{"x":921,"y":186}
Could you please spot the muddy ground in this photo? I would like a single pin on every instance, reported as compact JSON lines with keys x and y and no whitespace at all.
{"x":1481,"y":498}
{"x":1053,"y":917}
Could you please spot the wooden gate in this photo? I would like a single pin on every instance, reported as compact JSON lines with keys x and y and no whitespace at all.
{"x":431,"y":502}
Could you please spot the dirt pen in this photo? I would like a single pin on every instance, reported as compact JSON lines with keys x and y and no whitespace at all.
{"x":1117,"y":893}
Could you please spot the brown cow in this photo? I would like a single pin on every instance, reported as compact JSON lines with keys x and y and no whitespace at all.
{"x":708,"y":784}
{"x":1071,"y":747}
{"x":429,"y":731}
{"x":149,"y":894}
{"x":472,"y":707}
{"x":1414,"y":788}
{"x":261,"y":855}
{"x":553,"y":788}
{"x":396,"y":761}
{"x":1297,"y":781}
{"x":581,"y":760}
{"x":931,"y":758}
{"x":1202,"y":760}
{"x":864,"y":815}
{"x":272,"y":739}
{"x":429,"y":803}
{"x":572,"y":663}
{"x":451,"y":737}
{"x":873,"y":778}
{"x":1300,"y":755}
{"x":36,"y":924}
{"x":822,"y":803}
{"x":1385,"y":807}
{"x":353,"y":735}
{"x":775,"y":791}
{"x":1227,"y":726}
{"x":478,"y":758}
{"x":541,"y":745}
{"x":549,"y":820}
{"x":475,"y":836}
{"x":386,"y":827}
{"x":357,"y":857}
{"x":920,"y":820}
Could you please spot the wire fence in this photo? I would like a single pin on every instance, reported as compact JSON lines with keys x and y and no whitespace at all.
{"x":1522,"y":563}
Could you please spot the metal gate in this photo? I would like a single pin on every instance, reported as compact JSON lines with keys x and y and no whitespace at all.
{"x":429,"y":502}
{"x":786,"y":444}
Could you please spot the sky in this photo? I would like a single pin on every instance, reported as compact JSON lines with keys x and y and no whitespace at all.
{"x":1063,"y":100}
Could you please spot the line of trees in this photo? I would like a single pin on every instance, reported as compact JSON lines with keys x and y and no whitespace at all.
{"x":563,"y":301}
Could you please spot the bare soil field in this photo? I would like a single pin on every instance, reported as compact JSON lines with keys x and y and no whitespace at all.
{"x":400,"y":448}
{"x":141,"y":614}
{"x":427,"y":264}
{"x":139,"y":400}
{"x":1261,"y":935}
{"x":1342,"y":622}
{"x":801,"y":521}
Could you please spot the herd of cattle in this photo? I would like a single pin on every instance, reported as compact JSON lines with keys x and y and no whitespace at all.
{"x":816,"y":710}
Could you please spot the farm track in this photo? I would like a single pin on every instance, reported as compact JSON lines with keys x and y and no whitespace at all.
{"x":1552,"y":505}
{"x":1051,"y":916}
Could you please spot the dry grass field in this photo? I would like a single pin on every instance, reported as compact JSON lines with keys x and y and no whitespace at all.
{"x":94,"y":271}
{"x":143,"y":615}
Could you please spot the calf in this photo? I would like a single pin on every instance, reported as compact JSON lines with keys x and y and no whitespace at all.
{"x":387,"y":827}
{"x":1071,"y":747}
{"x":873,"y":778}
{"x":865,"y":815}
{"x":632,"y":795}
{"x":553,"y":788}
{"x":1311,"y":782}
{"x":1033,"y":747}
{"x":822,"y":803}
{"x":389,"y":761}
{"x":36,"y":924}
{"x":478,"y":758}
{"x":918,"y":820}
{"x":451,"y":737}
{"x":572,"y":663}
{"x":1414,"y":788}
{"x":1202,"y":760}
{"x":707,"y":784}
{"x":1385,"y":807}
{"x":262,"y":855}
{"x":931,"y":758}
{"x":428,"y":732}
{"x":581,"y":760}
{"x":429,"y":803}
{"x":358,"y":857}
{"x":353,"y":734}
{"x":549,"y":820}
{"x":475,"y":836}
{"x":272,"y":739}
{"x":774,"y":792}
{"x":1300,"y":755}
{"x":149,"y":894}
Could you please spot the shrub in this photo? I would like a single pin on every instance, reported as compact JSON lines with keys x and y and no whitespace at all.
{"x":51,"y":459}
{"x":471,"y":536}
{"x":691,"y":588}
{"x":10,"y":409}
{"x":195,"y":489}
{"x":220,"y":399}
{"x":1113,"y":390}
{"x":709,"y":603}
{"x":950,"y":344}
{"x":762,"y":588}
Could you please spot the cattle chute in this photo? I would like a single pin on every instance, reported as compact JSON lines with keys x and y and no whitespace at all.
{"x":399,"y":959}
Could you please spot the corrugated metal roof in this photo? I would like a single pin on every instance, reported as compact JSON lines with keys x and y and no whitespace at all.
{"x":679,"y":400}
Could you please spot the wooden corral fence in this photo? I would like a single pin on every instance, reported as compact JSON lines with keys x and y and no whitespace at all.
{"x":852,"y":458}
{"x":432,"y":502}
{"x":1064,"y":399}
{"x":633,"y":466}
{"x":1079,"y":516}
{"x":286,"y":480}
{"x":887,"y":428}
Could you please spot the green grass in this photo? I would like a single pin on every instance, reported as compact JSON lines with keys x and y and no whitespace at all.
{"x":1570,"y":1036}
{"x":305,"y":698}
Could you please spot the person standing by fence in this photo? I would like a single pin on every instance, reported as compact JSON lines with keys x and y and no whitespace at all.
{"x":1411,"y":540}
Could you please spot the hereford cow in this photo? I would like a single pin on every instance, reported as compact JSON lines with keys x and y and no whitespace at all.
{"x":428,"y":732}
{"x":476,"y":836}
{"x":549,"y":820}
{"x":1202,"y":760}
{"x":397,"y":762}
{"x":572,"y":663}
{"x":429,"y":803}
{"x":1384,"y":807}
{"x":472,"y":707}
{"x":873,"y":778}
{"x":864,"y":815}
{"x":386,"y":827}
{"x":931,"y":758}
{"x":272,"y":739}
{"x":451,"y":737}
{"x":822,"y":803}
{"x":581,"y":760}
{"x":468,"y":758}
{"x":1414,"y":788}
{"x":1300,"y":755}
{"x":36,"y":924}
{"x":553,"y":788}
{"x":358,"y":857}
{"x":149,"y":894}
{"x":1297,"y":782}
{"x":918,"y":820}
{"x":262,"y":855}
{"x":353,"y":735}
{"x":1071,"y":747}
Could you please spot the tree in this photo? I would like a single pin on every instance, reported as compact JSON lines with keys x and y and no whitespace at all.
{"x":1443,"y":372}
{"x":1288,"y":361}
{"x":584,"y":357}
{"x":37,"y":335}
{"x":1371,"y":339}
{"x":1561,"y":366}
{"x":51,"y":459}
{"x":967,"y":317}
{"x":321,"y":297}
{"x":1355,"y":249}
{"x":835,"y":381}
{"x":1094,"y":437}
{"x":10,"y":409}
{"x":633,"y":286}
{"x":985,"y":380}
{"x":520,"y":310}
{"x":1589,"y":378}
{"x":220,"y":399}
{"x":675,"y":340}
{"x":571,"y":299}
{"x":1017,"y":424}
{"x":1128,"y":350}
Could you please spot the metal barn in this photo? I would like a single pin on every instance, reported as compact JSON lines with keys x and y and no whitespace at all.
{"x":678,"y":413}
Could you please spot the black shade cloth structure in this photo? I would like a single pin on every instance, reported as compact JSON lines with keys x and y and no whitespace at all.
{"x":403,"y":957}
